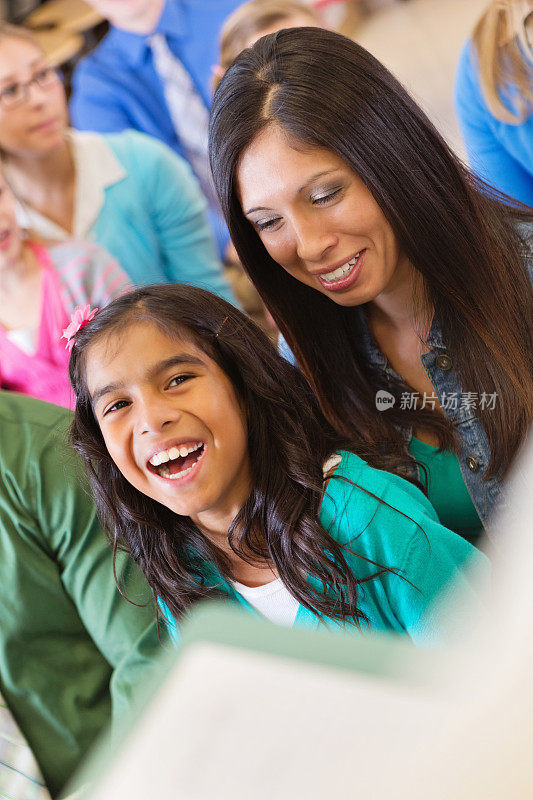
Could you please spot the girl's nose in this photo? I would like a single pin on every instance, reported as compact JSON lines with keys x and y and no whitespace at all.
{"x":154,"y":414}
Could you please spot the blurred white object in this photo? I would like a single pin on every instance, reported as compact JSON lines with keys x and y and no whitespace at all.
{"x":235,"y":724}
{"x":482,"y":749}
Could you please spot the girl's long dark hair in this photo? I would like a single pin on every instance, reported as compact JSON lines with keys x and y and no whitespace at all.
{"x":288,"y":442}
{"x":325,"y":90}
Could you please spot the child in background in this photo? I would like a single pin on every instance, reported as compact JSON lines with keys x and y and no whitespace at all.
{"x":212,"y":465}
{"x":255,"y":19}
{"x":39,"y":288}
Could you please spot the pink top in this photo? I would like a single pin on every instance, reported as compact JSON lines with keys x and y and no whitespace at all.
{"x":89,"y":276}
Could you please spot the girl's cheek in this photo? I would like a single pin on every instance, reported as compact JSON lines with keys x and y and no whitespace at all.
{"x":110,"y":440}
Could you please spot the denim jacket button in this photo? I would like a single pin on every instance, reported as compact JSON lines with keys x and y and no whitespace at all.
{"x":444,"y":362}
{"x":472,"y":464}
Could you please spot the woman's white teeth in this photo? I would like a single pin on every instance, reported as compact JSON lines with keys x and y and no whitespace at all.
{"x":340,"y":272}
{"x":173,"y":452}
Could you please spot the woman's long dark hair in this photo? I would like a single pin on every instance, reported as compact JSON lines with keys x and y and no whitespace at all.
{"x":325,"y":90}
{"x":288,"y":442}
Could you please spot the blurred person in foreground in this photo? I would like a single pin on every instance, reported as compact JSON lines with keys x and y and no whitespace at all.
{"x":73,"y":650}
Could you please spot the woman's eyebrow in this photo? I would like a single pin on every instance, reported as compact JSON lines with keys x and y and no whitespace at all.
{"x":315,"y":177}
{"x":299,"y":191}
{"x":13,"y":78}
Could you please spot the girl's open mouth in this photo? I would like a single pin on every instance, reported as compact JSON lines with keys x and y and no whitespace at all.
{"x":176,"y":462}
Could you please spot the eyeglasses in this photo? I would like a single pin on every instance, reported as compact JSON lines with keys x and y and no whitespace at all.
{"x":17,"y":93}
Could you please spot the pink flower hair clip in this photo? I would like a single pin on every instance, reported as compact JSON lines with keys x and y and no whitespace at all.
{"x":79,"y":319}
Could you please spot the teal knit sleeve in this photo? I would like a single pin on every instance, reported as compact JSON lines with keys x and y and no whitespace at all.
{"x":384,"y":521}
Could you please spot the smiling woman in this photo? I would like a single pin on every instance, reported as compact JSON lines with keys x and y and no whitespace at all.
{"x":308,"y":206}
{"x":213,"y":466}
{"x":389,"y":269}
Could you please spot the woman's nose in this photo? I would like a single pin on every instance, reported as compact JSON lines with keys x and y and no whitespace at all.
{"x":312,"y":240}
{"x":36,"y":95}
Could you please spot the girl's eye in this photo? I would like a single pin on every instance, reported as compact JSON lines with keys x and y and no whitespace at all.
{"x":177,"y":380}
{"x":115,"y":407}
{"x":322,"y":199}
{"x":267,"y":224}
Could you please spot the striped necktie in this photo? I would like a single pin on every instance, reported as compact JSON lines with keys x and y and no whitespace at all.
{"x":20,"y":778}
{"x":187,"y":110}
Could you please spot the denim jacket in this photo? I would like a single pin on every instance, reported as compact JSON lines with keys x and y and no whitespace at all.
{"x":474,"y":454}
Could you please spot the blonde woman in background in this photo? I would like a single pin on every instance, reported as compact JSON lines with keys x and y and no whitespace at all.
{"x":494,"y":97}
{"x":255,"y":19}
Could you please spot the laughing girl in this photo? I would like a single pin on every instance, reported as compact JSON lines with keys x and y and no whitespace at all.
{"x":213,"y":466}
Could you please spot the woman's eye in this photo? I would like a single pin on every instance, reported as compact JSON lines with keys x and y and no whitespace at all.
{"x":116,"y":406}
{"x":11,"y":91}
{"x":267,"y":224}
{"x":322,"y":199}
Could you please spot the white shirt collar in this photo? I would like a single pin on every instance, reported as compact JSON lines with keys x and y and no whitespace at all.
{"x":96,"y":168}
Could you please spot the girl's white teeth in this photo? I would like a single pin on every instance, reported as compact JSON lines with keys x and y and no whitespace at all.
{"x":173,"y":452}
{"x":165,"y":472}
{"x":340,"y":272}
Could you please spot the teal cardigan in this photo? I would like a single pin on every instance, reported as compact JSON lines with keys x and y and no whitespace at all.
{"x":154,"y":221}
{"x":381,"y":518}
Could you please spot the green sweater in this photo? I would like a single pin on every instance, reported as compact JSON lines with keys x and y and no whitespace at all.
{"x":390,"y":522}
{"x":65,"y":631}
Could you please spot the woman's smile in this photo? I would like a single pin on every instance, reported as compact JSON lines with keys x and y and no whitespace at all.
{"x":338,"y":279}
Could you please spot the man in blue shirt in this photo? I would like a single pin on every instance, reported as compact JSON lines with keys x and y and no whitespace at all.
{"x":118,"y":86}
